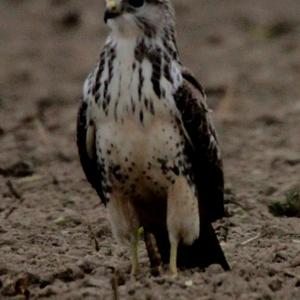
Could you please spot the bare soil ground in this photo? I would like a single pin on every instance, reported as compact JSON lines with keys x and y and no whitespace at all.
{"x":55,"y":241}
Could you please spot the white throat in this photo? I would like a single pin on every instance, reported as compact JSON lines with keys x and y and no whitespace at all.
{"x":130,"y":83}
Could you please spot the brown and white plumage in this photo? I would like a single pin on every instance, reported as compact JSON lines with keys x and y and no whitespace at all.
{"x":146,"y":141}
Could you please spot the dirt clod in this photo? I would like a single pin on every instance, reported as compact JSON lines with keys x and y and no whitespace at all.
{"x":68,"y":275}
{"x":18,"y":169}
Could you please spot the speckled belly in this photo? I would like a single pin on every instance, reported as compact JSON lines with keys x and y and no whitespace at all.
{"x":141,"y":161}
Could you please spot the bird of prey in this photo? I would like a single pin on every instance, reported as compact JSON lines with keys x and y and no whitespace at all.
{"x":146,"y":140}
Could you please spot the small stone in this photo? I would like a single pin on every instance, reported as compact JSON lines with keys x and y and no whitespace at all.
{"x":69,"y":220}
{"x":69,"y":274}
{"x":188,"y":283}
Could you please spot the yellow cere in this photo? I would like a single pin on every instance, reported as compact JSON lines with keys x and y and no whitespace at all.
{"x":111,"y":4}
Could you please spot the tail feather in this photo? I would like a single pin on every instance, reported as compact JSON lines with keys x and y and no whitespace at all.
{"x":205,"y":251}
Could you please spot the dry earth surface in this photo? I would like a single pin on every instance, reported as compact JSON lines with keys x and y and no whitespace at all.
{"x":55,"y":241}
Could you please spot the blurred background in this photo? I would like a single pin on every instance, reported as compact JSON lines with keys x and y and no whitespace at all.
{"x":54,"y":237}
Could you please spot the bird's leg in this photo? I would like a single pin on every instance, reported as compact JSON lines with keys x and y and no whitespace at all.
{"x":153,"y":253}
{"x":134,"y":242}
{"x":173,"y":258}
{"x":182,"y":217}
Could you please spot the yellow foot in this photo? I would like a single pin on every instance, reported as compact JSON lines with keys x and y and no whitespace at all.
{"x":173,"y":260}
{"x":173,"y":274}
{"x":135,"y":269}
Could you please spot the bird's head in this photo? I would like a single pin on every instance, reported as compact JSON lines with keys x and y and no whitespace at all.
{"x":148,"y":17}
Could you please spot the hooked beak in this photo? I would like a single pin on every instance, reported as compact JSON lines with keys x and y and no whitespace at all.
{"x":112,"y":10}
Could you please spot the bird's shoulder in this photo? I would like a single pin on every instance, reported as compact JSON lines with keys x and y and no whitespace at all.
{"x":191,"y":101}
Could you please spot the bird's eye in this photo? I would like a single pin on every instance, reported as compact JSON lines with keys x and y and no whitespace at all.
{"x":136,"y":3}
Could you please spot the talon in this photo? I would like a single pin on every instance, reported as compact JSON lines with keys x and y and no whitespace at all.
{"x":134,"y":271}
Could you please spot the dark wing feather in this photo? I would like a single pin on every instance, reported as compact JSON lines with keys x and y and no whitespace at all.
{"x":190,"y":78}
{"x":87,"y":156}
{"x":204,"y":151}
